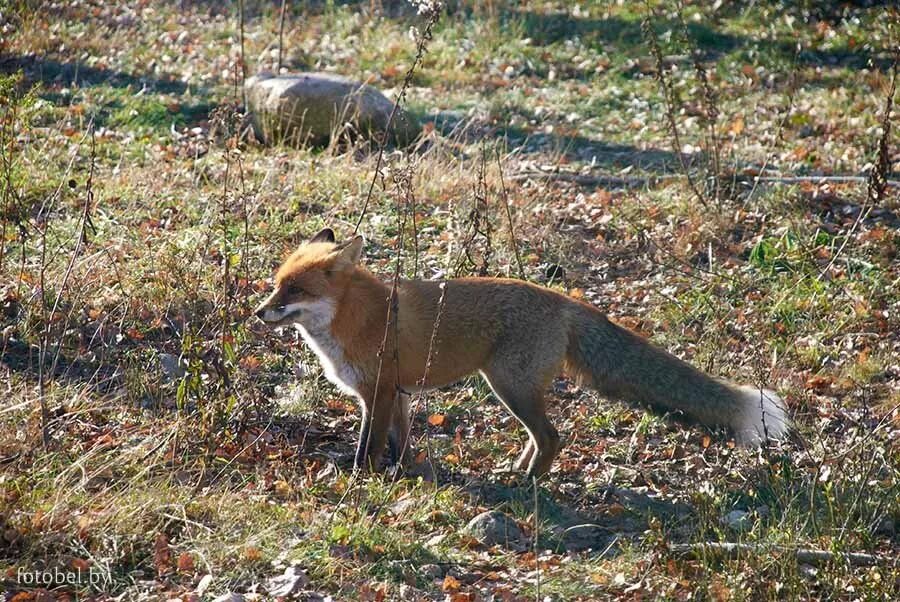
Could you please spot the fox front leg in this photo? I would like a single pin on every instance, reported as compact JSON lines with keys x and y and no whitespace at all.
{"x":373,"y":433}
{"x":398,"y":437}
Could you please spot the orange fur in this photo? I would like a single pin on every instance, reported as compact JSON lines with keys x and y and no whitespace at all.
{"x":517,"y":335}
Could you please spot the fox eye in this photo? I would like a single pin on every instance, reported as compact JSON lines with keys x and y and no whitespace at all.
{"x":293,"y":289}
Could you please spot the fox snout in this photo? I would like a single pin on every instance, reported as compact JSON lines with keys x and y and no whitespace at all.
{"x":272,"y":314}
{"x":275,"y":308}
{"x":269,"y":314}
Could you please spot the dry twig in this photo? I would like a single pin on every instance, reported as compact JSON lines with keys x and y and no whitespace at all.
{"x":732,"y":551}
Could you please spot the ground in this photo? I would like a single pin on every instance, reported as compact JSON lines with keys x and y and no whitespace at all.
{"x":155,"y":435}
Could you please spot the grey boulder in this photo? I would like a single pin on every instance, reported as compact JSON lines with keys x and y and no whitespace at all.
{"x":307,"y":108}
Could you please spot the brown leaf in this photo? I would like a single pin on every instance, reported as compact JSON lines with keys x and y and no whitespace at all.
{"x":185,"y":563}
{"x":162,"y":555}
{"x":437,"y":420}
{"x":503,"y":594}
{"x":450,"y":584}
{"x":282,"y":488}
{"x":615,"y":509}
{"x":819,"y":382}
{"x":38,"y":520}
{"x":250,"y":362}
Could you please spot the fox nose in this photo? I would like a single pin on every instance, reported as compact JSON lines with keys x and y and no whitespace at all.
{"x":259,"y":313}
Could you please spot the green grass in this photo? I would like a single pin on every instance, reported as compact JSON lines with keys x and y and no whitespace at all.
{"x":242,"y":462}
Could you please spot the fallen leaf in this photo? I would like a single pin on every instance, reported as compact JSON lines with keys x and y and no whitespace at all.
{"x":282,"y":489}
{"x":450,"y":584}
{"x":185,"y":563}
{"x":250,"y":362}
{"x":162,"y":555}
{"x":819,"y":382}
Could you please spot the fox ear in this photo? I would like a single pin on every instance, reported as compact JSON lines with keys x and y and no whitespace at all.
{"x":352,"y":250}
{"x":324,"y":235}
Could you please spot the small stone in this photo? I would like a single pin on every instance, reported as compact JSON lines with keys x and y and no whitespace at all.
{"x":403,"y":506}
{"x":886,"y":526}
{"x":293,"y":580}
{"x":171,"y":366}
{"x":435,"y":540}
{"x":737,"y":520}
{"x":408,"y":592}
{"x":496,"y":528}
{"x":432,"y":571}
{"x":203,"y":584}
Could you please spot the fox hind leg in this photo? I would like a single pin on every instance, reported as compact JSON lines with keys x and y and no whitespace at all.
{"x":527,"y":454}
{"x":526,"y":403}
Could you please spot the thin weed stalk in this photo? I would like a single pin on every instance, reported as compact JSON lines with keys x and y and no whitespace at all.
{"x":877,"y":184}
{"x":710,"y":113}
{"x":433,"y":13}
{"x":671,"y":102}
{"x":281,"y":34}
{"x":513,"y":241}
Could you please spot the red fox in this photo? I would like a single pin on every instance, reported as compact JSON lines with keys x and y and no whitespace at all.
{"x":519,"y":336}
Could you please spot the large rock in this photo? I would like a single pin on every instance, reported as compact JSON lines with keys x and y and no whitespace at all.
{"x":308,"y":107}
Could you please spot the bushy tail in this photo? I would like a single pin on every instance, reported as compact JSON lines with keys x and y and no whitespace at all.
{"x":620,"y":364}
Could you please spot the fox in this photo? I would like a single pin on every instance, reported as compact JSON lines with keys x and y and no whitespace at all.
{"x":380,"y":343}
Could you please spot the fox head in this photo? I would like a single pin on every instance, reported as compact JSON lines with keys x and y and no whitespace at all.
{"x":309,"y":283}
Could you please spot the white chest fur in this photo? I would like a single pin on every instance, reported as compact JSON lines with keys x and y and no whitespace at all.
{"x":331,"y":355}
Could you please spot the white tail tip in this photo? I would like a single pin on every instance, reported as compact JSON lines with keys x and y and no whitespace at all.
{"x":763,"y":415}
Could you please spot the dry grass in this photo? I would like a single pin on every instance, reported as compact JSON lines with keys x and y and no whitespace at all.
{"x":184,"y":440}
